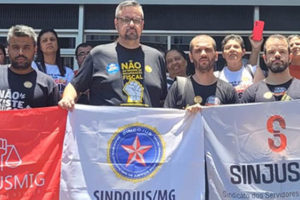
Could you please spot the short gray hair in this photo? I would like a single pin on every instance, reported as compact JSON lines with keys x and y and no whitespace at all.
{"x":21,"y":31}
{"x":128,"y":3}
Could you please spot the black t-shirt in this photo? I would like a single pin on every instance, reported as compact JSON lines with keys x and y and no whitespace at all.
{"x":218,"y":93}
{"x":83,"y":98}
{"x":263,"y":92}
{"x":31,"y":90}
{"x":119,"y":76}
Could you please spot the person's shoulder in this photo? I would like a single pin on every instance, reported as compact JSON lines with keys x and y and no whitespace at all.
{"x":250,"y":66}
{"x":51,"y":66}
{"x":223,"y":83}
{"x":68,"y":69}
{"x":181,"y":81}
{"x":254,"y":90}
{"x":46,"y":81}
{"x":34,"y":65}
{"x":182,"y":78}
{"x":255,"y":86}
{"x":42,"y":75}
{"x":296,"y":80}
{"x":295,"y":84}
{"x":103,"y":47}
{"x":147,"y":48}
{"x":4,"y":68}
{"x":44,"y":78}
{"x":225,"y":68}
{"x":259,"y":83}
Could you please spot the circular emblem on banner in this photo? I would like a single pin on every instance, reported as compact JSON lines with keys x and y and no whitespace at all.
{"x":148,"y":68}
{"x":268,"y":95}
{"x":136,"y":152}
{"x":198,"y":99}
{"x":27,"y":84}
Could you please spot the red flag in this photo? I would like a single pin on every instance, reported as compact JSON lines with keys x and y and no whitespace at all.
{"x":31,"y":142}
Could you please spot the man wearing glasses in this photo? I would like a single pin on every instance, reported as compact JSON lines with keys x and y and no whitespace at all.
{"x":82,"y":50}
{"x":122,"y":73}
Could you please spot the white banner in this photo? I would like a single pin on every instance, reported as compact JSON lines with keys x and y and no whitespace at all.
{"x":132,"y":154}
{"x":253,"y":151}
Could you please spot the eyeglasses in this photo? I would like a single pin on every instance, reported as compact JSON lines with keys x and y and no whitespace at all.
{"x":127,"y":20}
{"x":81,"y":54}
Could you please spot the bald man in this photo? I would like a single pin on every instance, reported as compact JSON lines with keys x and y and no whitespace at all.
{"x":203,"y":87}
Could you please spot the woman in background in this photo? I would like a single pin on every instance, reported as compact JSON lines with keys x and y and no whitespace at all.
{"x":176,"y":63}
{"x":49,"y":60}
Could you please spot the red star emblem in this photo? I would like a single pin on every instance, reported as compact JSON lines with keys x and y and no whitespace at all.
{"x":136,"y":152}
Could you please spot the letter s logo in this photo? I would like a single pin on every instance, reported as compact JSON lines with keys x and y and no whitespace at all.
{"x":276,"y":133}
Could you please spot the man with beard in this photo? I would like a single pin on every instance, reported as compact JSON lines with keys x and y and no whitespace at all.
{"x":202,"y":87}
{"x":20,"y":85}
{"x":279,"y":84}
{"x":122,"y":73}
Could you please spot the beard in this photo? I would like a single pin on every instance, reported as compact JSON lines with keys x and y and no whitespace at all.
{"x":204,"y":68}
{"x":17,"y":65}
{"x":131,"y":34}
{"x":277,"y":68}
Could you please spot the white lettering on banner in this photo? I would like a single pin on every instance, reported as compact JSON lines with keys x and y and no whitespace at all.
{"x":255,"y":153}
{"x":14,"y":182}
{"x":117,"y":157}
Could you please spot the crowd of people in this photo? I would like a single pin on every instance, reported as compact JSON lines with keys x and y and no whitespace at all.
{"x":128,"y":73}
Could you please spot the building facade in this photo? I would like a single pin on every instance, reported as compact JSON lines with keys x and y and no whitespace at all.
{"x":167,"y":25}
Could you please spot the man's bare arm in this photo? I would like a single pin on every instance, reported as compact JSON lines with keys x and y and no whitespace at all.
{"x":69,"y":97}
